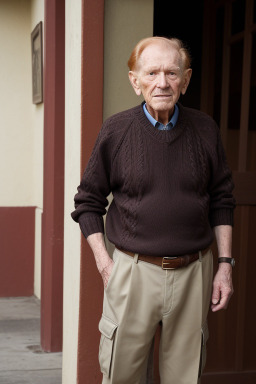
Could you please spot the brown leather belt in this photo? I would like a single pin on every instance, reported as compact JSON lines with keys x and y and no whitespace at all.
{"x":168,"y":262}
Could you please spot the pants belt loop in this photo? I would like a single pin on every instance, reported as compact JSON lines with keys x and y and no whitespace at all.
{"x":200,"y":256}
{"x":135,"y":258}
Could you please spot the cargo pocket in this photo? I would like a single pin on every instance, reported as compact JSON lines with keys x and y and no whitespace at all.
{"x":107,"y":328}
{"x":204,"y":338}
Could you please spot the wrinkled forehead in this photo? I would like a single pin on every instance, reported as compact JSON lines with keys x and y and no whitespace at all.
{"x":159,"y":51}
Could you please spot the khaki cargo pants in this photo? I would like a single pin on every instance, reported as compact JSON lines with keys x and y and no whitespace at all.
{"x":138,"y":297}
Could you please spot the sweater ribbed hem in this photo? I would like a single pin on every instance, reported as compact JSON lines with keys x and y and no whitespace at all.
{"x":223,"y":216}
{"x":91,"y":224}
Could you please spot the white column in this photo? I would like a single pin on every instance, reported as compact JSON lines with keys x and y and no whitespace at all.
{"x":72,"y":239}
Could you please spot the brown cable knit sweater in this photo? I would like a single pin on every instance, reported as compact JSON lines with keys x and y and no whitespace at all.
{"x":169,"y":187}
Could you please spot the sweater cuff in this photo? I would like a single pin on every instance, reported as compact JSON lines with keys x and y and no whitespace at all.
{"x":222,"y":217}
{"x":91,"y":224}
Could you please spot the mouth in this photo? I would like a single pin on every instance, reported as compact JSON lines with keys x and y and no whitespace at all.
{"x":162,"y":96}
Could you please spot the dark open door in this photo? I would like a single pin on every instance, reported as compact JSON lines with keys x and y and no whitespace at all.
{"x":228,"y":93}
{"x":223,"y":34}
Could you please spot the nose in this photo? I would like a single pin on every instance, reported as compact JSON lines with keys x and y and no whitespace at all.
{"x":162,"y":81}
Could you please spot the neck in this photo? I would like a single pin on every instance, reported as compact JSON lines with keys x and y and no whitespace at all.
{"x":161,"y":116}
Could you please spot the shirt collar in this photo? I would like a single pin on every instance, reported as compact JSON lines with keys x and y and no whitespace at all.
{"x":159,"y":125}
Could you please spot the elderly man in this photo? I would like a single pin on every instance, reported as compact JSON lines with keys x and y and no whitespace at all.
{"x":172,"y":191}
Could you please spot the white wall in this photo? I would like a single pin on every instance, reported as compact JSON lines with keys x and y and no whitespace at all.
{"x":37,"y":119}
{"x":21,"y":122}
{"x":16,"y":131}
{"x":37,"y":122}
{"x":125,"y":23}
{"x":72,"y":238}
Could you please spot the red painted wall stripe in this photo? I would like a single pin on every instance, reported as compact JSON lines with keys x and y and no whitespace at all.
{"x":17,"y":242}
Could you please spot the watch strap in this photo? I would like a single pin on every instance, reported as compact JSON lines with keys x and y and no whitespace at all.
{"x":229,"y":260}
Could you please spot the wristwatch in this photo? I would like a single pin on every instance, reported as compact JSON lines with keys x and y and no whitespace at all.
{"x":229,"y":260}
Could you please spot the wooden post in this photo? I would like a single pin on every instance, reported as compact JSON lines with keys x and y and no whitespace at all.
{"x":53,"y":204}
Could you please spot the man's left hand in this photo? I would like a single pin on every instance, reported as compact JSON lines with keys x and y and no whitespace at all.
{"x":222,"y":287}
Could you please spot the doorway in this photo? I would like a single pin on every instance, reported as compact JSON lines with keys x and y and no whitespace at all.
{"x":221,"y":35}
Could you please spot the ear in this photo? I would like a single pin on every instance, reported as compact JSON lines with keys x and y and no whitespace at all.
{"x":133,"y":76}
{"x":186,"y":79}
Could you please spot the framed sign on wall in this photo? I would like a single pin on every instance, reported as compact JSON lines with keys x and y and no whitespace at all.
{"x":37,"y":64}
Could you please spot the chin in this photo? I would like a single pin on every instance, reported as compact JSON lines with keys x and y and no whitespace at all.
{"x":161,"y":107}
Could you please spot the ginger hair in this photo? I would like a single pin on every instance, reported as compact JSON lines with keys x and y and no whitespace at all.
{"x":173,"y":42}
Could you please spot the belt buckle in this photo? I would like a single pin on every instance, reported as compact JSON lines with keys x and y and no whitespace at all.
{"x":166,"y":263}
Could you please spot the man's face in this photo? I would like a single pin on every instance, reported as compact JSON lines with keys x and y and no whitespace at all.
{"x":160,"y":78}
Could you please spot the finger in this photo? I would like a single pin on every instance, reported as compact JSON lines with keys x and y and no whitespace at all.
{"x":215,"y":294}
{"x":105,"y":282}
{"x":222,"y":304}
{"x":107,"y":273}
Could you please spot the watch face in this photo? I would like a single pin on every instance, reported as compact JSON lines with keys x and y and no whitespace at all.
{"x":232,"y":262}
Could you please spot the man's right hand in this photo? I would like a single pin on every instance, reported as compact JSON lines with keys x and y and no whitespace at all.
{"x":103,"y":261}
{"x":106,"y":272}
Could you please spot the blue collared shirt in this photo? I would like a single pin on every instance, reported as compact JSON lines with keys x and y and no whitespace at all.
{"x":161,"y":126}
